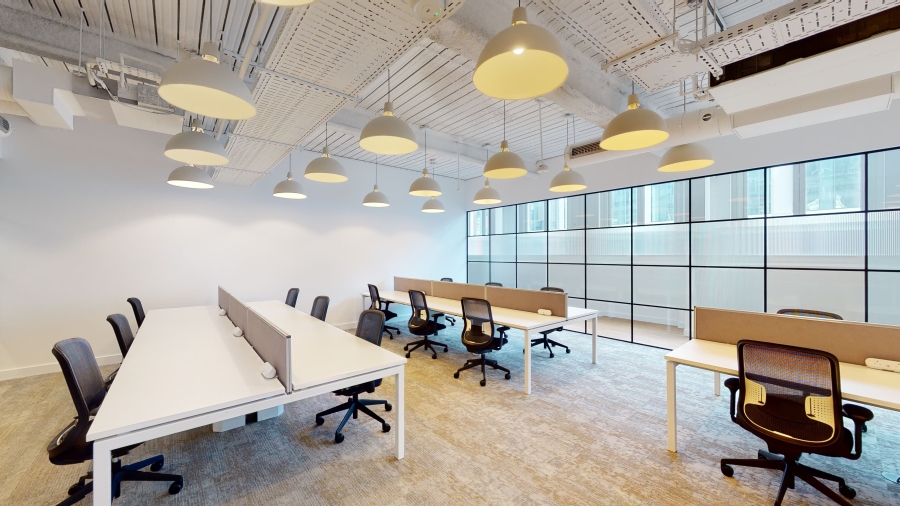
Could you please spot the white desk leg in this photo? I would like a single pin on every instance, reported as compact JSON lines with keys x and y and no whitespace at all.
{"x":671,"y":406}
{"x":527,"y":362}
{"x":102,"y":461}
{"x":717,"y":381}
{"x":401,"y":408}
{"x":594,"y":340}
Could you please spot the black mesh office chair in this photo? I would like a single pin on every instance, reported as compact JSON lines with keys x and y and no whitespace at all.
{"x":544,"y":340}
{"x":423,"y":323}
{"x":291,"y":299}
{"x":810,"y":313}
{"x":790,"y":398}
{"x":122,"y":328}
{"x":380,"y":304}
{"x":320,"y":307}
{"x":478,"y":336}
{"x":494,"y":283}
{"x":370,"y":327}
{"x":449,"y":280}
{"x":138,"y":309}
{"x":82,"y":374}
{"x":502,"y":329}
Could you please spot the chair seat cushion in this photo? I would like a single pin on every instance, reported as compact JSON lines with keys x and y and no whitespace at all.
{"x":485,"y":347}
{"x":367,"y":387}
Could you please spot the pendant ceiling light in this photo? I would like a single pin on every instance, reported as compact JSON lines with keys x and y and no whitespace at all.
{"x":325,"y":169}
{"x":289,"y":189}
{"x":375,"y":198}
{"x":505,"y":164}
{"x":522,"y":61}
{"x":568,"y":180}
{"x":195,"y":147}
{"x":685,"y":157}
{"x":189,"y":176}
{"x":425,"y":186}
{"x":432,"y":205}
{"x":635,"y":128}
{"x":487,"y":195}
{"x":388,"y":134}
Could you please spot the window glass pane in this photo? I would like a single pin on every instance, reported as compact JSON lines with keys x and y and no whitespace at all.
{"x":834,"y":241}
{"x":613,"y":320}
{"x":661,"y":245}
{"x":609,"y":282}
{"x":566,"y":213}
{"x":609,"y":246}
{"x":608,"y":209}
{"x":739,"y":289}
{"x":532,"y":247}
{"x":566,"y":247}
{"x":503,"y":248}
{"x":839,"y":292}
{"x":478,"y":222}
{"x":479,"y":273}
{"x":728,"y":243}
{"x":884,"y":180}
{"x":531,"y":276}
{"x":884,"y":298}
{"x":825,"y":186}
{"x":568,"y":277}
{"x":661,"y":286}
{"x":884,"y":241}
{"x":478,"y":248}
{"x":503,"y":273}
{"x":503,"y":220}
{"x":660,"y":203}
{"x":728,"y":197}
{"x":532,"y":217}
{"x":663,"y":328}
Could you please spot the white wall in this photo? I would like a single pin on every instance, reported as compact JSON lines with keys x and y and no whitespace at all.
{"x":87,"y":220}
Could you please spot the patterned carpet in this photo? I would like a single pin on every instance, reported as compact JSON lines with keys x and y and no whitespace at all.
{"x":589,"y":434}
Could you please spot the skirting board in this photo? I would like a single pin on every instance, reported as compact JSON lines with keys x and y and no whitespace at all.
{"x":34,"y":370}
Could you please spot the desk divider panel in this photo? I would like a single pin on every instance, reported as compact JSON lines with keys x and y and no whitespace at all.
{"x":407,"y":284}
{"x":850,"y":342}
{"x":271,"y":344}
{"x":528,"y":300}
{"x":223,"y":299}
{"x":237,"y":313}
{"x":457,"y":291}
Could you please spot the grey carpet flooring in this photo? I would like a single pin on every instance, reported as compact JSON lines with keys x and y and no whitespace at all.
{"x":589,"y":434}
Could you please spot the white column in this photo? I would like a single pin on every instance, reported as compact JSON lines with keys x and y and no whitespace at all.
{"x":671,"y":406}
{"x":102,"y":461}
{"x":527,"y":345}
{"x":401,"y":409}
{"x":594,"y":339}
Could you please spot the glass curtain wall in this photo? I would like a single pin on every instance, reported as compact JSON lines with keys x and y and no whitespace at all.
{"x":820,"y":235}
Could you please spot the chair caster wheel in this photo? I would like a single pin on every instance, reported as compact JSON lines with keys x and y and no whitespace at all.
{"x":75,"y":488}
{"x":176,"y":487}
{"x":434,"y":356}
{"x":406,"y":348}
{"x":388,"y":407}
{"x":319,"y":420}
{"x":338,"y":438}
{"x":386,"y":427}
{"x":483,"y":383}
{"x":156,"y":466}
{"x":456,"y":375}
{"x":727,"y":470}
{"x":568,"y":350}
{"x":445,"y":350}
{"x":407,"y":354}
{"x":760,"y":456}
{"x":551,"y":355}
{"x":847,"y":491}
{"x":507,"y":376}
{"x":865,"y":428}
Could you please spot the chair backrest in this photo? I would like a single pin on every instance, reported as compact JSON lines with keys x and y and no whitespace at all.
{"x":790,"y":394}
{"x":123,"y":332}
{"x":479,"y":323}
{"x":82,"y":375}
{"x":291,"y":299}
{"x":370,"y":326}
{"x":449,"y":280}
{"x":138,"y":309}
{"x":810,"y":313}
{"x":494,"y":283}
{"x":420,"y":314}
{"x":552,"y":289}
{"x":320,"y":307}
{"x":374,"y":297}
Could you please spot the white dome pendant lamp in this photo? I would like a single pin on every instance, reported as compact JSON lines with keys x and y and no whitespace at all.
{"x":487,"y":195}
{"x":636,"y":128}
{"x":196,"y":148}
{"x":685,"y":157}
{"x":388,"y":134}
{"x":522,"y":61}
{"x":189,"y":176}
{"x":289,"y":189}
{"x":375,"y":198}
{"x":425,"y":186}
{"x":505,"y":164}
{"x":325,"y":169}
{"x":568,"y":180}
{"x":432,"y":205}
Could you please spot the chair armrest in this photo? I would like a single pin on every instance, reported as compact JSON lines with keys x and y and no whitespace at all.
{"x":858,"y":413}
{"x":733,"y":385}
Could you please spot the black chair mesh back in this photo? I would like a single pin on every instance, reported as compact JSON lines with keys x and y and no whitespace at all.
{"x":320,"y":307}
{"x":449,"y":280}
{"x":82,"y":374}
{"x":370,"y":326}
{"x":291,"y":299}
{"x":552,"y":289}
{"x":374,"y":297}
{"x":420,"y":314}
{"x":493,"y":283}
{"x":790,"y":393}
{"x":810,"y":313}
{"x":477,"y":313}
{"x":123,"y":332}
{"x":138,"y":309}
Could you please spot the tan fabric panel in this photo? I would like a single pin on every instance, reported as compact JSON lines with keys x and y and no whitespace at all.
{"x":457,"y":291}
{"x":223,"y":299}
{"x":528,"y":300}
{"x":407,"y":284}
{"x":237,"y":313}
{"x":850,"y":342}
{"x":272,"y":346}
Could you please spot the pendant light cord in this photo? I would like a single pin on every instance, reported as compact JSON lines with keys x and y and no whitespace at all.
{"x":541,"y":130}
{"x":425,"y":151}
{"x":504,"y":120}
{"x":376,"y":170}
{"x":326,"y":135}
{"x":457,"y":164}
{"x":389,"y":85}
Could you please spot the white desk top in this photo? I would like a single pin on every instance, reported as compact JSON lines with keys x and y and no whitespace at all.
{"x":858,"y":383}
{"x":321,"y":353}
{"x":183,"y":362}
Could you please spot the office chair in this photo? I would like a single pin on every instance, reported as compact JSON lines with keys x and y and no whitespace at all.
{"x":138,"y":309}
{"x":291,"y":299}
{"x":501,"y":330}
{"x":478,"y":336}
{"x":371,"y":328}
{"x":449,"y":280}
{"x":122,"y":328}
{"x":320,"y":307}
{"x":82,"y":374}
{"x":810,"y":313}
{"x":422,"y":324}
{"x":494,"y":283}
{"x":544,"y":340}
{"x":377,"y":303}
{"x":790,"y":398}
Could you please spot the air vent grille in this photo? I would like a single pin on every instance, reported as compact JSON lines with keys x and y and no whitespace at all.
{"x":586,"y":149}
{"x":4,"y":124}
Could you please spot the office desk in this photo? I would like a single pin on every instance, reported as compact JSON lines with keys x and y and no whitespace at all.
{"x":185,"y":370}
{"x":858,"y":383}
{"x":529,"y":323}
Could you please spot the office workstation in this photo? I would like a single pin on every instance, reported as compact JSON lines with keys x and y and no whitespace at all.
{"x":449,"y":252}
